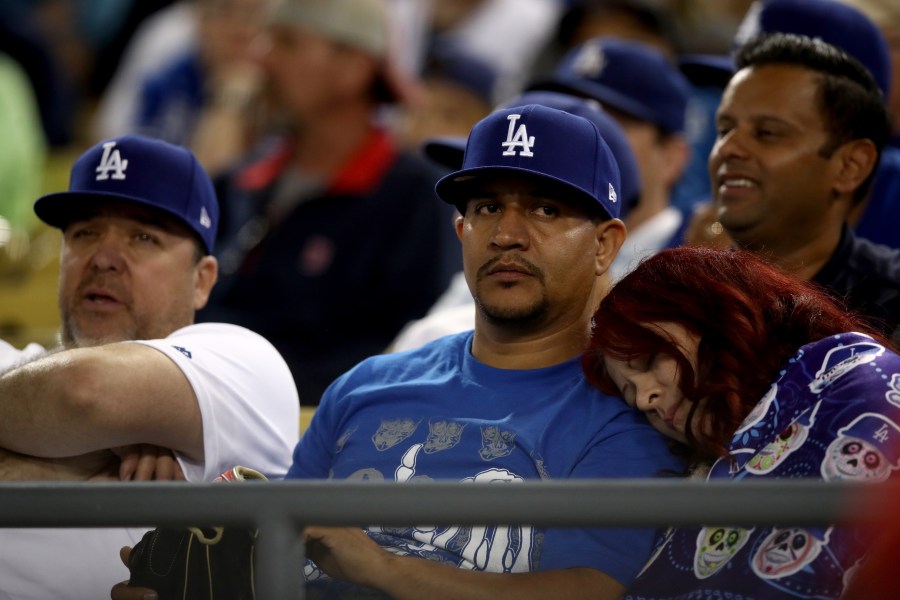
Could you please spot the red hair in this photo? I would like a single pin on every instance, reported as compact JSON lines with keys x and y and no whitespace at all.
{"x":750,"y":316}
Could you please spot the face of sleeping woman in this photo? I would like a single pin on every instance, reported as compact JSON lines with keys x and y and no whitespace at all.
{"x":651,"y":383}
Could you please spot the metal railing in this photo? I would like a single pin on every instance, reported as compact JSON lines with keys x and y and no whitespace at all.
{"x":282,"y":508}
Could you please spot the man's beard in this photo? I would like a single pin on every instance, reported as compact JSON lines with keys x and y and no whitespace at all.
{"x":517,"y":317}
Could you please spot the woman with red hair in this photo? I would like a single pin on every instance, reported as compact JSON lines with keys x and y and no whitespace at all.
{"x":752,"y":373}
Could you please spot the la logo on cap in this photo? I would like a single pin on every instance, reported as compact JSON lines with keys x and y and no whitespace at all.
{"x":517,"y":138}
{"x":111,"y":161}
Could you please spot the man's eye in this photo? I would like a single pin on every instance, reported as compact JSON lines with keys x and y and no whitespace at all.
{"x":146,"y":238}
{"x":82,"y":232}
{"x":486,"y":208}
{"x":548,"y":211}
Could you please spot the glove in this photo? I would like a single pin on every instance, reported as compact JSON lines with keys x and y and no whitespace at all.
{"x":210,"y":563}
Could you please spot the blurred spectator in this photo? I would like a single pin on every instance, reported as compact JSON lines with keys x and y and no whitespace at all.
{"x":159,"y":39}
{"x":206,"y":98}
{"x":330,"y":240}
{"x":458,"y":90}
{"x":651,"y":111}
{"x":21,"y":157}
{"x":25,"y":38}
{"x":708,"y":75}
{"x":507,"y":34}
{"x":645,"y":21}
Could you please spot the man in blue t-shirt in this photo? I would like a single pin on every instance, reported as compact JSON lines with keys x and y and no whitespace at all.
{"x":538,"y":196}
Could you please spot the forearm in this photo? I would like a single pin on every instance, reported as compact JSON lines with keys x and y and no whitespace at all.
{"x":83,"y":400}
{"x":96,"y":466}
{"x":349,"y":554}
{"x":409,"y":578}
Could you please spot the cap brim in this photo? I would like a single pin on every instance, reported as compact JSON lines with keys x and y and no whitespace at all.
{"x":707,"y":69}
{"x":447,"y":151}
{"x":455,"y":188}
{"x":61,"y":208}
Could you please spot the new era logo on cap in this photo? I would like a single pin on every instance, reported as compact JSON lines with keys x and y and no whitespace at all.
{"x":142,"y":170}
{"x":558,"y":147}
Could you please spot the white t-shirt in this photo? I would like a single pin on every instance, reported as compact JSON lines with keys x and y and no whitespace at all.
{"x":11,"y":357}
{"x":250,"y":412}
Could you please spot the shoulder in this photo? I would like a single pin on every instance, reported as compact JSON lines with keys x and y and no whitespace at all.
{"x":846,"y":359}
{"x":218,"y":342}
{"x":441,"y":355}
{"x":874,"y":260}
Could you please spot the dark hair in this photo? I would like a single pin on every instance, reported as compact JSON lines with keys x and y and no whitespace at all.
{"x":849,"y":98}
{"x":749,"y":315}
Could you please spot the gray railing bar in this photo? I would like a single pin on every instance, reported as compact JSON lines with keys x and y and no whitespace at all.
{"x":281,"y":508}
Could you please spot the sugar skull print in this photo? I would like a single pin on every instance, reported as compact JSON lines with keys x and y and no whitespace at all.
{"x":868,"y":449}
{"x":784,"y":552}
{"x":715,"y":547}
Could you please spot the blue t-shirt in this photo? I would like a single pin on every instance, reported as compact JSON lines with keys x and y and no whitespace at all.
{"x":833,"y":414}
{"x":437,"y":413}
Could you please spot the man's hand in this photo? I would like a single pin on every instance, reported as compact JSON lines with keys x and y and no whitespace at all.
{"x":143,"y":462}
{"x":122,"y":591}
{"x":346,"y":553}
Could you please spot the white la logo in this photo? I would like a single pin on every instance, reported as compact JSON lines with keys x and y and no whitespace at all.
{"x":612,"y":193}
{"x":204,"y":218}
{"x":111,"y":161}
{"x":520,"y":139}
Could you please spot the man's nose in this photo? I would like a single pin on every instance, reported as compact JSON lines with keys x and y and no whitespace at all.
{"x":108,"y":253}
{"x":511,"y":230}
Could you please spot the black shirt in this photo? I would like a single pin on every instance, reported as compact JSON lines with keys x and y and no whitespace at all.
{"x":866,"y":276}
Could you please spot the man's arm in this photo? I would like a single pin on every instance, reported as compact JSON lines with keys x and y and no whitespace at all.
{"x":82,"y":400}
{"x":349,"y":554}
{"x":95,"y":466}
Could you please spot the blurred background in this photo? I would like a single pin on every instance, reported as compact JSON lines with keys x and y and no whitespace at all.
{"x":71,"y":70}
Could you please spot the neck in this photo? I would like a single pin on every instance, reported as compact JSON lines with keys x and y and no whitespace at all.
{"x":542,"y":345}
{"x":324,"y":144}
{"x":803,"y":257}
{"x":504,"y":349}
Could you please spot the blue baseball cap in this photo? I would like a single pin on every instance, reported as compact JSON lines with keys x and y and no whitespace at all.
{"x":833,"y":22}
{"x":555,"y":146}
{"x":446,"y":150}
{"x":144,"y":171}
{"x":611,"y":132}
{"x":628,"y":76}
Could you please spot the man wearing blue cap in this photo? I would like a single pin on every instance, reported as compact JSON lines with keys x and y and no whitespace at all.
{"x":138,"y":222}
{"x":538,"y":196}
{"x":455,"y":310}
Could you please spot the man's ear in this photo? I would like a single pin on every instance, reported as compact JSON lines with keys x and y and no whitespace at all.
{"x":852,"y":163}
{"x":206,"y":272}
{"x":459,"y":221}
{"x":610,"y":236}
